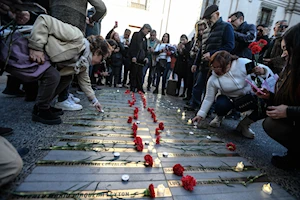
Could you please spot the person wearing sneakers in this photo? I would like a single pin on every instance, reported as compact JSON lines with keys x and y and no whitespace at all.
{"x":72,"y":53}
{"x":225,"y":84}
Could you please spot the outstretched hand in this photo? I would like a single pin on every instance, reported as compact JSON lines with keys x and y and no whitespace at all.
{"x":98,"y":106}
{"x":197,"y":119}
{"x":37,"y":56}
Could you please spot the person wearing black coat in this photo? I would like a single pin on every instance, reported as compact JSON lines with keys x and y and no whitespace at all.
{"x":137,"y":52}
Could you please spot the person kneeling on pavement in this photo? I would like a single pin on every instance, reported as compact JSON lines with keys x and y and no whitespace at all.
{"x":225,"y":85}
{"x":69,"y":52}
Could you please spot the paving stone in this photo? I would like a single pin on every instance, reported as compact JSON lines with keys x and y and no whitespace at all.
{"x":91,"y":166}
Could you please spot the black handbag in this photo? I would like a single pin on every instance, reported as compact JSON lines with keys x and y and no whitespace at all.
{"x":245,"y":103}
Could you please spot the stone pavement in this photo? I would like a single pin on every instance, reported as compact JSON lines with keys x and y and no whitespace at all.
{"x":82,"y":165}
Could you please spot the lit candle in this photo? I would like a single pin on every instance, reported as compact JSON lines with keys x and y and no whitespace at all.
{"x":146,"y":142}
{"x":118,"y":90}
{"x":161,"y":190}
{"x":168,"y":132}
{"x":189,"y":122}
{"x":208,"y":137}
{"x":150,"y":148}
{"x":178,"y":110}
{"x":183,"y":117}
{"x":138,"y":122}
{"x":183,"y":113}
{"x":191,"y":133}
{"x":157,"y":162}
{"x":239,"y":167}
{"x":165,"y":154}
{"x":267,"y":188}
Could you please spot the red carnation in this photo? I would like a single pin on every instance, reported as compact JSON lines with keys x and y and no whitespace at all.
{"x":255,"y":49}
{"x":136,"y":109}
{"x":129,"y":120}
{"x":230,"y":146}
{"x":135,"y":116}
{"x":150,"y":191}
{"x":252,"y":44}
{"x":134,"y":126}
{"x":127,"y":91}
{"x":158,"y":139}
{"x":178,"y":169}
{"x":140,"y":147}
{"x":262,"y":42}
{"x":188,"y":182}
{"x":154,"y":119}
{"x":134,"y":133}
{"x":157,"y":131}
{"x":148,"y":160}
{"x":161,"y":126}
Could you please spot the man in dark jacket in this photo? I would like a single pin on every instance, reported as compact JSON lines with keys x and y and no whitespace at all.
{"x":244,"y":34}
{"x":137,"y":52}
{"x":221,"y":37}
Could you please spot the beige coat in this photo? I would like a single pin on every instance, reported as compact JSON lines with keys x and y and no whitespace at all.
{"x":64,"y":45}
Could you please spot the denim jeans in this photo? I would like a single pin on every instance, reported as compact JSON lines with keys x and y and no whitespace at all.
{"x":224,"y":104}
{"x":162,"y":71}
{"x":198,"y":88}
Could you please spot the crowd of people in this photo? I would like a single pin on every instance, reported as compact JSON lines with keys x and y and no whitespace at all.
{"x":213,"y":66}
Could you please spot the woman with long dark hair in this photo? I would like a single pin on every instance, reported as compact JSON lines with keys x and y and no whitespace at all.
{"x":283,"y":115}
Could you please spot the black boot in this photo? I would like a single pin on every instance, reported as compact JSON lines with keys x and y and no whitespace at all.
{"x":55,"y":111}
{"x":163,"y":92}
{"x":31,"y":91}
{"x":45,"y":116}
{"x":13,"y":87}
{"x":155,"y":91}
{"x":5,"y":131}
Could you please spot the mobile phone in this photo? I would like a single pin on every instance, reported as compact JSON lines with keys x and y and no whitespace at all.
{"x":249,"y":67}
{"x":30,"y":6}
{"x":255,"y":87}
{"x":116,"y":23}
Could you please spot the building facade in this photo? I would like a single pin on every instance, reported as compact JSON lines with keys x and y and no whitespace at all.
{"x":178,"y":17}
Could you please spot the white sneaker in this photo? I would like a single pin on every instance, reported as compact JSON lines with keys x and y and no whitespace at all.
{"x":75,"y":99}
{"x":68,"y":105}
{"x":119,"y":85}
{"x":216,"y":122}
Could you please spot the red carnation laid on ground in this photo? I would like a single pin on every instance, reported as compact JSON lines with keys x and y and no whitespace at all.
{"x":230,"y":146}
{"x":148,"y":160}
{"x":188,"y":182}
{"x":178,"y":169}
{"x":129,"y":120}
{"x":150,"y":191}
{"x":158,"y":139}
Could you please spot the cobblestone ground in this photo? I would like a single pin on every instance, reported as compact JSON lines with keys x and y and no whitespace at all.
{"x":16,"y":113}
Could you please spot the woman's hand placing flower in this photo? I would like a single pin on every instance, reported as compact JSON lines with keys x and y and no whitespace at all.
{"x":197,"y":119}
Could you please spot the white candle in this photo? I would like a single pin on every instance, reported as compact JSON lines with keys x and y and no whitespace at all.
{"x":165,"y":154}
{"x":116,"y":154}
{"x":189,"y":122}
{"x":267,"y":188}
{"x":208,"y":137}
{"x":191,"y":133}
{"x":125,"y":177}
{"x":178,"y":110}
{"x":183,"y":113}
{"x":168,"y":132}
{"x":138,"y":122}
{"x":161,"y":190}
{"x":239,"y":167}
{"x":183,"y":117}
{"x":146,"y":142}
{"x":157,"y":162}
{"x":150,"y":148}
